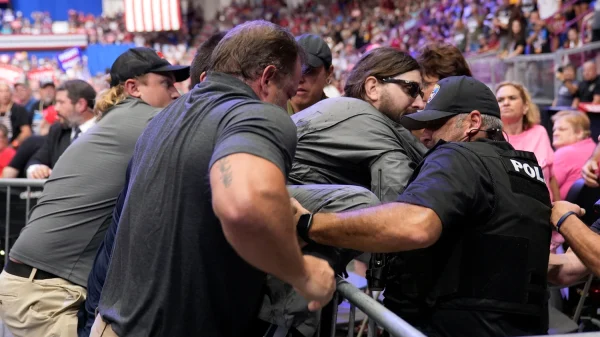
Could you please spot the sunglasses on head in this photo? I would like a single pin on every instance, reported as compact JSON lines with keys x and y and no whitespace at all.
{"x":412,"y":88}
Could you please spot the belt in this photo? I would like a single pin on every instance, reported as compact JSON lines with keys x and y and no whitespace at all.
{"x":23,"y":270}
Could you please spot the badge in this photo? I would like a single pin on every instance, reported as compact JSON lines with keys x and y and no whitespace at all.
{"x":436,"y":89}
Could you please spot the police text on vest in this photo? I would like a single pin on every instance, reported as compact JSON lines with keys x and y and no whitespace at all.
{"x":533,"y":172}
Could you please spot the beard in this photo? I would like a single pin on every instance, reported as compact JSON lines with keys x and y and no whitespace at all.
{"x":387,"y":107}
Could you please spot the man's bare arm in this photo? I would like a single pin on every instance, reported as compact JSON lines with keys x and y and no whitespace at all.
{"x":565,"y":269}
{"x":387,"y":228}
{"x":251,"y":201}
{"x":583,"y":241}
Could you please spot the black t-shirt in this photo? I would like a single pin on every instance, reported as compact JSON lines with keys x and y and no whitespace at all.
{"x":172,"y":272}
{"x":456,"y":185}
{"x":18,"y":118}
{"x":587,"y":89}
{"x":450,"y":195}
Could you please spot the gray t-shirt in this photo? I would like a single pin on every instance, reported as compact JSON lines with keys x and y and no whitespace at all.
{"x":173,"y":272}
{"x":346,"y":141}
{"x":65,"y":227}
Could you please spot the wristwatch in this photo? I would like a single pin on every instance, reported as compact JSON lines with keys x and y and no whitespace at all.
{"x":303,"y":227}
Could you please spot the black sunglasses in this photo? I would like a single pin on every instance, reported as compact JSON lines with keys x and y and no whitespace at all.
{"x":412,"y":88}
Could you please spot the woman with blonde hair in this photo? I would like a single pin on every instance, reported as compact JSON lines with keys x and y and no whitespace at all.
{"x":573,"y":144}
{"x":521,"y":119}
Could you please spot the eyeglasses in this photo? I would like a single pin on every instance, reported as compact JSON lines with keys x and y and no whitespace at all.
{"x":412,"y":88}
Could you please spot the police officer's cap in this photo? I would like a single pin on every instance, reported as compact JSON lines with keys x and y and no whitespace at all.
{"x":452,"y":96}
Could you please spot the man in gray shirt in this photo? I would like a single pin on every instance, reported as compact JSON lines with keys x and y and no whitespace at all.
{"x":355,"y":140}
{"x":348,"y":147}
{"x":42,"y":286}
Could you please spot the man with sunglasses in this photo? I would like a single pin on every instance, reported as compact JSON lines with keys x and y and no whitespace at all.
{"x":356,"y":140}
{"x":348,"y":147}
{"x":471,"y":228}
{"x":316,"y":73}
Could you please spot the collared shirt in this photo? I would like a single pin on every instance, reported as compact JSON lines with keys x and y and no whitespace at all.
{"x":346,"y":141}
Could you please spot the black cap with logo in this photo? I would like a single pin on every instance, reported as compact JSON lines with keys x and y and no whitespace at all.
{"x":140,"y":61}
{"x":317,"y":51}
{"x":452,"y":96}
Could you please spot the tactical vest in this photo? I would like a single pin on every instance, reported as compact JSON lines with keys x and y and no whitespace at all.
{"x":496,"y":263}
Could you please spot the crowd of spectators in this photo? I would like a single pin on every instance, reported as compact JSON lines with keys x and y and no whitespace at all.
{"x":509,"y":27}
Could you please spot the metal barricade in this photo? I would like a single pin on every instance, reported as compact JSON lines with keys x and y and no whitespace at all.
{"x":536,"y":72}
{"x":8,"y":184}
{"x":376,"y":313}
{"x":487,"y":68}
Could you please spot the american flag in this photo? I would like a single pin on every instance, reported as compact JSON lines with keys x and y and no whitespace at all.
{"x":152,"y":15}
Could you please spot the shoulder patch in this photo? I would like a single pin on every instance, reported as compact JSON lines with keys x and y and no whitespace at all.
{"x":436,"y":89}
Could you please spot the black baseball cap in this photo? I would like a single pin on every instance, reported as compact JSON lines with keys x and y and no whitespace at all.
{"x":140,"y":61}
{"x":452,"y":96}
{"x":317,"y":51}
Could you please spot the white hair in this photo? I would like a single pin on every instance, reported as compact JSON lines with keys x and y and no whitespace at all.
{"x":487,"y":121}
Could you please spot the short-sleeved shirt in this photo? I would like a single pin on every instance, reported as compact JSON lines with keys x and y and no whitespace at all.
{"x":67,"y":224}
{"x":453,"y":196}
{"x":172,"y":272}
{"x":458,"y":186}
{"x":587,"y":89}
{"x":18,"y":117}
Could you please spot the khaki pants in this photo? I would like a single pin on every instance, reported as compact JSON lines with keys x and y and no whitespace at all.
{"x":39,"y":308}
{"x":101,"y":328}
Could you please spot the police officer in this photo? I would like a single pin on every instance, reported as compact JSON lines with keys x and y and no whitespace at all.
{"x":472,"y":226}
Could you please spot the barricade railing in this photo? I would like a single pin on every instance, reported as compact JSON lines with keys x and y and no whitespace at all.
{"x":28,"y":184}
{"x":376,"y":313}
{"x":537,"y":71}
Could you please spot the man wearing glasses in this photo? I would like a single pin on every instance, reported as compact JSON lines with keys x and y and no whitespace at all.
{"x":470,"y":230}
{"x":349,"y":150}
{"x":355,"y":140}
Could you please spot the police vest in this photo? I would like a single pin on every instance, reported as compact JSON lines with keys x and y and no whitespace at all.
{"x":496,"y":263}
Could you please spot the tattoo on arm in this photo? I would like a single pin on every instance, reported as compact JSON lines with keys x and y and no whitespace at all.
{"x":225,"y":169}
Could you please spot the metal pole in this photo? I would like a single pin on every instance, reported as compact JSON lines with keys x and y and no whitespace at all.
{"x":27,"y":204}
{"x":335,"y":302}
{"x":7,"y":226}
{"x":384,"y":317}
{"x":351,"y":320}
{"x":586,"y":290}
{"x":372,"y":328}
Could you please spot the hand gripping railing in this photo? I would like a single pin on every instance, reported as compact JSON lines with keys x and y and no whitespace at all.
{"x":8,"y":183}
{"x":376,"y":312}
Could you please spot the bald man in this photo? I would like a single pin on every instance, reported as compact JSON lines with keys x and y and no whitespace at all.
{"x":588,"y":91}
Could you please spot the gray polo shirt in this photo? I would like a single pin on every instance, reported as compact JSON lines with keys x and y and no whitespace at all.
{"x":65,"y":227}
{"x":346,"y":141}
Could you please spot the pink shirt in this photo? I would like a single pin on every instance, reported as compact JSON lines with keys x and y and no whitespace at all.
{"x":536,"y":140}
{"x":568,"y":161}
